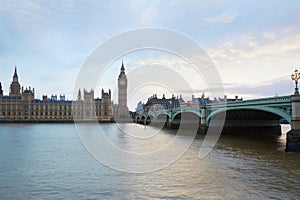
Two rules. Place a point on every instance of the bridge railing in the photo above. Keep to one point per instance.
(270, 100)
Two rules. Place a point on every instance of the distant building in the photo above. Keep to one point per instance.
(225, 99)
(154, 103)
(205, 100)
(199, 101)
(21, 104)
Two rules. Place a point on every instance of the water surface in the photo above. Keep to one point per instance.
(48, 161)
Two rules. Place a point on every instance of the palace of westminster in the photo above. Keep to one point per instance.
(21, 104)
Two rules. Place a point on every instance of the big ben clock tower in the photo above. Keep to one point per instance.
(122, 94)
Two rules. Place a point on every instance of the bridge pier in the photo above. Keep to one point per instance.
(202, 127)
(293, 136)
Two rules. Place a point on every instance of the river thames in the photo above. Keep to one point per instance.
(48, 161)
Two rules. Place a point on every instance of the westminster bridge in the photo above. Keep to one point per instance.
(263, 114)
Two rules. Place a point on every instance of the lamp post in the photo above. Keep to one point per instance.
(170, 106)
(295, 77)
(293, 136)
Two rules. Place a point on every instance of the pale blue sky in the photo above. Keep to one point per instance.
(252, 43)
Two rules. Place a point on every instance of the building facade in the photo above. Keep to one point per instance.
(21, 104)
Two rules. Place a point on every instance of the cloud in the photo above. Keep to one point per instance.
(225, 18)
(269, 35)
(255, 58)
(280, 86)
(251, 47)
(145, 10)
(267, 49)
(26, 12)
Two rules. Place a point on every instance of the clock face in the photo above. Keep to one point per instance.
(122, 82)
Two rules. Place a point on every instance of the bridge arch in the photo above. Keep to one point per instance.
(151, 116)
(160, 120)
(195, 112)
(147, 118)
(276, 111)
(163, 113)
(186, 117)
(163, 116)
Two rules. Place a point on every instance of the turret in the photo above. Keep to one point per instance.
(27, 94)
(88, 96)
(79, 97)
(62, 97)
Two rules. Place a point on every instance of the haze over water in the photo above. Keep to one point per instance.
(46, 161)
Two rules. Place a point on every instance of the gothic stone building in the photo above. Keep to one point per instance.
(22, 105)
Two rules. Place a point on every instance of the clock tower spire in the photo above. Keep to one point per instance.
(15, 87)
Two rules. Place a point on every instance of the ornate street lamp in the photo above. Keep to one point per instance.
(295, 77)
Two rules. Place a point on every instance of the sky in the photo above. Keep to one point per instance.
(254, 44)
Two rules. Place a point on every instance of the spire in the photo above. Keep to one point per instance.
(122, 67)
(122, 73)
(15, 74)
(1, 91)
(15, 77)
